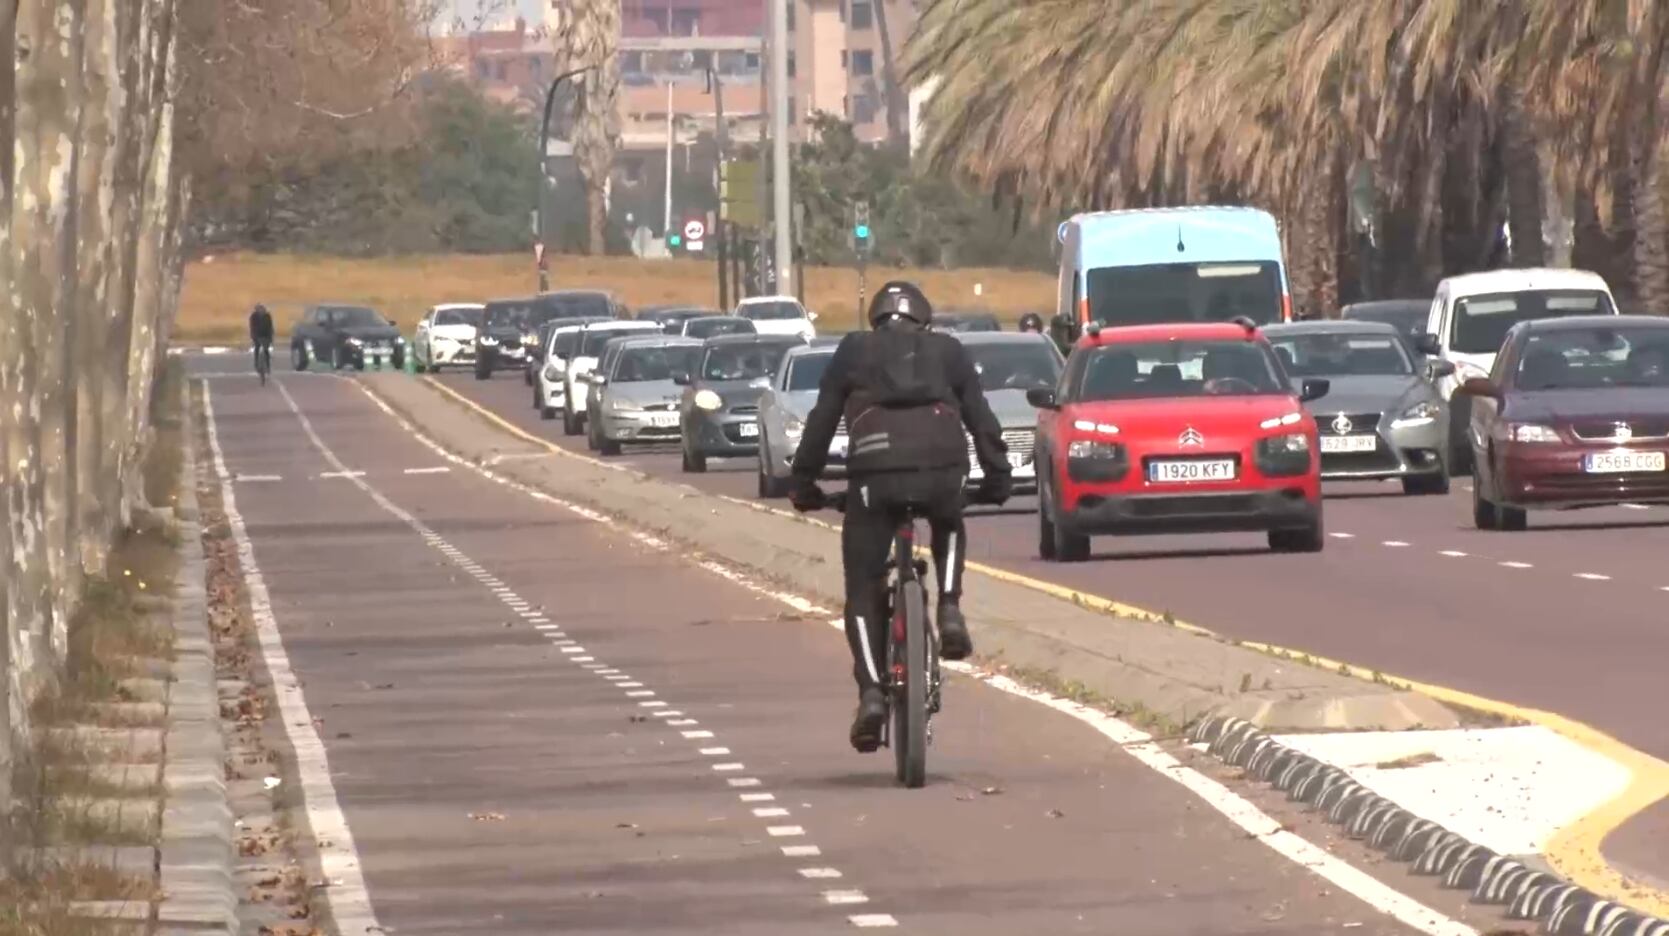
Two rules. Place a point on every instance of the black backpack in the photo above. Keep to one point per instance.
(903, 414)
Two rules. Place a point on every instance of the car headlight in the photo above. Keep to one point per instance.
(399, 339)
(488, 340)
(1531, 432)
(1284, 455)
(1094, 461)
(355, 342)
(1420, 414)
(530, 340)
(1296, 443)
(552, 374)
(708, 400)
(794, 427)
(625, 406)
(1275, 422)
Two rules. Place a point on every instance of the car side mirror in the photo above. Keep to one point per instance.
(1480, 387)
(811, 316)
(681, 378)
(1042, 398)
(1428, 345)
(391, 322)
(1314, 388)
(1441, 368)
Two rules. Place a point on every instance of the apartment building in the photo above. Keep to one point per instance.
(838, 61)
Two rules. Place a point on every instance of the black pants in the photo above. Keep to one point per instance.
(262, 344)
(875, 507)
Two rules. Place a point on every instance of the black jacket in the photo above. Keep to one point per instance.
(906, 394)
(260, 327)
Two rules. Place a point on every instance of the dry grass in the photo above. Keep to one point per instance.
(220, 291)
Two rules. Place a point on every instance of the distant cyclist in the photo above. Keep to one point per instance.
(1031, 322)
(260, 335)
(906, 393)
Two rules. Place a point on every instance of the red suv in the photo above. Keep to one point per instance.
(1182, 428)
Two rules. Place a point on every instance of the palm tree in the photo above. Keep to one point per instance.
(591, 33)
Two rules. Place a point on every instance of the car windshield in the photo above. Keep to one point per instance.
(718, 325)
(637, 365)
(355, 317)
(471, 317)
(1323, 354)
(771, 311)
(1481, 322)
(506, 316)
(595, 338)
(806, 371)
(1592, 358)
(575, 305)
(1185, 292)
(1150, 370)
(1411, 322)
(742, 361)
(563, 344)
(1015, 366)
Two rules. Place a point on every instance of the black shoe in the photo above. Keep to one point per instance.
(870, 717)
(954, 642)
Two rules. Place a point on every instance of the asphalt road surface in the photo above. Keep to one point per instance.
(1568, 616)
(536, 723)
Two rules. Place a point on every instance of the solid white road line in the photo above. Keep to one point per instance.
(343, 473)
(1593, 576)
(255, 478)
(439, 469)
(347, 897)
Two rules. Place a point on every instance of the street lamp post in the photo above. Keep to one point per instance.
(543, 144)
(720, 235)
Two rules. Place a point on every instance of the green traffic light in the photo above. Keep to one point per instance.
(675, 240)
(861, 231)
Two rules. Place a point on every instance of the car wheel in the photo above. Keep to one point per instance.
(570, 425)
(592, 441)
(336, 359)
(606, 445)
(1485, 515)
(1422, 485)
(1513, 519)
(298, 357)
(1308, 539)
(483, 371)
(398, 359)
(1063, 546)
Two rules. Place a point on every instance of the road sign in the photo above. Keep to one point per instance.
(694, 231)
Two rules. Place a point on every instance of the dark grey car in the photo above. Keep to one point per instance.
(719, 410)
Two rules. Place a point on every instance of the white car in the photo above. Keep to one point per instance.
(586, 350)
(550, 386)
(1470, 317)
(778, 315)
(446, 336)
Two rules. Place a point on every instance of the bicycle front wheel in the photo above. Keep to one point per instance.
(909, 709)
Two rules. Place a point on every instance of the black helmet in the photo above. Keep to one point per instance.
(1031, 322)
(902, 299)
(260, 308)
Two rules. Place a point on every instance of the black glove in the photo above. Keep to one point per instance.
(806, 496)
(995, 488)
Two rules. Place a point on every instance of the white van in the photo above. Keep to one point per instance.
(1471, 315)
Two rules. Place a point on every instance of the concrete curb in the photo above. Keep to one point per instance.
(196, 847)
(1528, 892)
(1172, 673)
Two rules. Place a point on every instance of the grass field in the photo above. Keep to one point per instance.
(219, 292)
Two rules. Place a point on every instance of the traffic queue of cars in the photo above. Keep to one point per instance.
(1177, 394)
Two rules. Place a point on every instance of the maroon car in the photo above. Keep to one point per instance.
(1575, 414)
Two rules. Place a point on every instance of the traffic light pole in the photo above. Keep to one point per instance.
(780, 208)
(544, 173)
(721, 227)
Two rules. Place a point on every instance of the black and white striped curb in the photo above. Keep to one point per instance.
(1528, 893)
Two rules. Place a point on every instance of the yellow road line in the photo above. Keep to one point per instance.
(1574, 852)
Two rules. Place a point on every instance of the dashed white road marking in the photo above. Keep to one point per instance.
(1516, 565)
(758, 797)
(1593, 576)
(438, 469)
(770, 812)
(344, 473)
(1394, 544)
(680, 722)
(714, 751)
(1453, 554)
(256, 478)
(726, 768)
(640, 693)
(872, 920)
(801, 851)
(628, 684)
(784, 831)
(743, 781)
(844, 897)
(817, 874)
(693, 735)
(1342, 535)
(671, 713)
(653, 703)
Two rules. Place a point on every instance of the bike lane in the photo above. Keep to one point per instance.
(503, 779)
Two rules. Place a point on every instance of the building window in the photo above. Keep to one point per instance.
(843, 60)
(791, 114)
(483, 69)
(845, 106)
(751, 61)
(842, 11)
(791, 5)
(864, 109)
(790, 64)
(863, 62)
(863, 14)
(684, 22)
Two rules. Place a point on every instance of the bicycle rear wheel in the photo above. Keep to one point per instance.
(909, 708)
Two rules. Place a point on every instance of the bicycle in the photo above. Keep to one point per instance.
(263, 361)
(913, 679)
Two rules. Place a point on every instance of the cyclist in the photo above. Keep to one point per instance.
(906, 393)
(260, 333)
(1031, 322)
